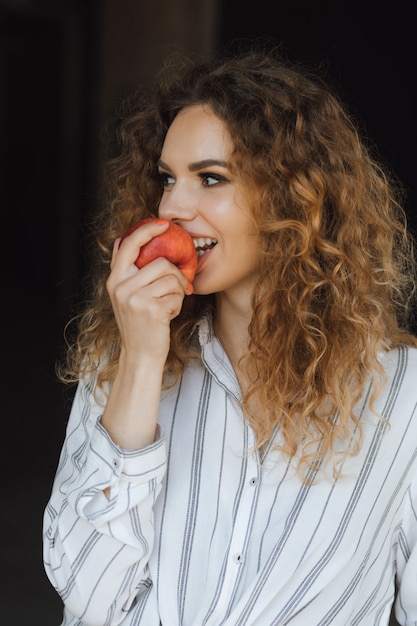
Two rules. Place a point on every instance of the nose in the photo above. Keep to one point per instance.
(177, 205)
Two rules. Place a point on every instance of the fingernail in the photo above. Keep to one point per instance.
(190, 289)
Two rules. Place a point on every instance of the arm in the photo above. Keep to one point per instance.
(406, 602)
(144, 303)
(98, 525)
(96, 549)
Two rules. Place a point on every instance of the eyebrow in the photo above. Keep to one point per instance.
(198, 165)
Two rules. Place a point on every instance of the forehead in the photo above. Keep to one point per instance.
(197, 130)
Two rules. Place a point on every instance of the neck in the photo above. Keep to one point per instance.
(231, 323)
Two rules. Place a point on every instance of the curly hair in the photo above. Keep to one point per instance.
(337, 266)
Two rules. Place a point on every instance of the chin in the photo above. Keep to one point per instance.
(203, 287)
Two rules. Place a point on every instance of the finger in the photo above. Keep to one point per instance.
(130, 246)
(116, 246)
(161, 267)
(172, 305)
(166, 285)
(154, 303)
(126, 249)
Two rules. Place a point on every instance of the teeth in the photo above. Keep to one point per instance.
(204, 244)
(201, 242)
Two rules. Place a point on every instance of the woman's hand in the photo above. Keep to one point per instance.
(144, 301)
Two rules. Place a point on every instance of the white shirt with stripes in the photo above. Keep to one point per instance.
(200, 531)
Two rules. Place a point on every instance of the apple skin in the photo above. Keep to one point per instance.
(175, 244)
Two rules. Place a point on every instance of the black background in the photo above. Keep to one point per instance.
(52, 70)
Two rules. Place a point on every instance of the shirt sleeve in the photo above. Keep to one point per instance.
(96, 549)
(406, 602)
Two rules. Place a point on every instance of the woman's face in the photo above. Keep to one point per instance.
(203, 196)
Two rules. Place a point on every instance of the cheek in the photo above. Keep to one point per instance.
(222, 212)
(248, 246)
(161, 207)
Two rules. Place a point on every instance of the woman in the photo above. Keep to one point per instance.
(242, 450)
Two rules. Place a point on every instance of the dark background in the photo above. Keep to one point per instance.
(64, 66)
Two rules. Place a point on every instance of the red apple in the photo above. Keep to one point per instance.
(175, 244)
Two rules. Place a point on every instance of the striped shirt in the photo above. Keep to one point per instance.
(201, 531)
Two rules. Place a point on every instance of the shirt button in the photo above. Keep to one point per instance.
(238, 558)
(253, 481)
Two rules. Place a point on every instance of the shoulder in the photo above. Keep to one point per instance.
(400, 384)
(401, 360)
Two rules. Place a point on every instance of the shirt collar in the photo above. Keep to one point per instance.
(214, 356)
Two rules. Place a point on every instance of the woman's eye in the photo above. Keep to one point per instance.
(166, 179)
(212, 179)
(207, 179)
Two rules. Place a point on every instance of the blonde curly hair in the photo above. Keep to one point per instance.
(337, 266)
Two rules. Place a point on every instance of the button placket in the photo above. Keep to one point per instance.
(245, 515)
(241, 532)
(116, 464)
